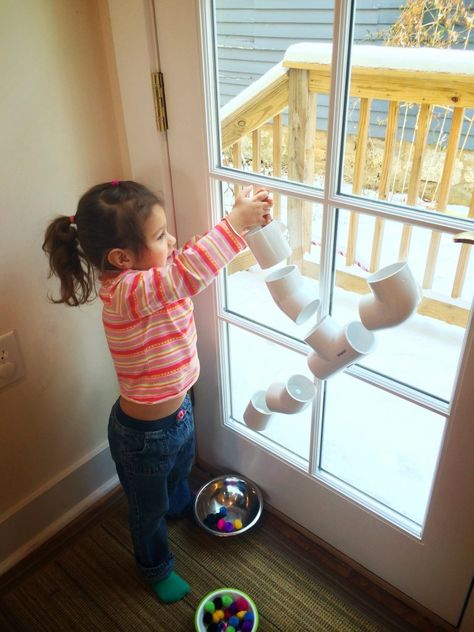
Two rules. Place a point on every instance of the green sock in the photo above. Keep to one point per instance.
(172, 588)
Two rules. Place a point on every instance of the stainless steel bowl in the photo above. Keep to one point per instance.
(240, 498)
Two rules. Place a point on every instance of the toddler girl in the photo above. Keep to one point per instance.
(120, 233)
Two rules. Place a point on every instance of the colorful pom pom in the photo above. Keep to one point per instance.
(217, 616)
(228, 614)
(233, 608)
(211, 520)
(242, 603)
(237, 524)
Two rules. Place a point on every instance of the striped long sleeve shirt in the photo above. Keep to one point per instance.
(148, 317)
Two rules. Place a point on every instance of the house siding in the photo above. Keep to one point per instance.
(253, 35)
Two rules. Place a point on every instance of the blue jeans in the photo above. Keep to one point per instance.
(153, 460)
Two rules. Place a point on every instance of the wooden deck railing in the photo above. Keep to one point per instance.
(294, 85)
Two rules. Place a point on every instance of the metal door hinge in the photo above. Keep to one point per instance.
(160, 101)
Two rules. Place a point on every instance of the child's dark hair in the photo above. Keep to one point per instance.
(110, 215)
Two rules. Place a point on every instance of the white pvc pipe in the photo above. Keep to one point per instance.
(324, 337)
(339, 351)
(292, 397)
(268, 244)
(257, 414)
(286, 286)
(395, 295)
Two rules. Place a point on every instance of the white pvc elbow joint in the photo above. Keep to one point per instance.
(395, 296)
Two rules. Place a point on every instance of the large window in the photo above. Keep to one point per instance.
(383, 173)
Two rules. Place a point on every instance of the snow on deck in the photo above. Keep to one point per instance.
(453, 61)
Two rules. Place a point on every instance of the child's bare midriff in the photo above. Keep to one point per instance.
(151, 412)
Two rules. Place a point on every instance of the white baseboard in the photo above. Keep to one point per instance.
(39, 517)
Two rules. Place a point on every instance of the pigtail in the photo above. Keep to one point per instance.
(68, 263)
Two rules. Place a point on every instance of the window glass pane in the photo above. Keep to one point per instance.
(247, 293)
(410, 118)
(409, 140)
(267, 101)
(256, 363)
(381, 445)
(424, 350)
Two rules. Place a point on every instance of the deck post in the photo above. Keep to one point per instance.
(301, 140)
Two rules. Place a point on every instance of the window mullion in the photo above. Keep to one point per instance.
(343, 18)
(340, 76)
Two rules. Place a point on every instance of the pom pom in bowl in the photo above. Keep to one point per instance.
(228, 505)
(228, 605)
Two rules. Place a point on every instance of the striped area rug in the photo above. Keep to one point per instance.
(92, 584)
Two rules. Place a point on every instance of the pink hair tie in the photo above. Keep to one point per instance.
(72, 219)
(115, 183)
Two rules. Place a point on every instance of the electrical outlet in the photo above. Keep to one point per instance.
(11, 363)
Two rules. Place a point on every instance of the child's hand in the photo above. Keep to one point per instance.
(249, 211)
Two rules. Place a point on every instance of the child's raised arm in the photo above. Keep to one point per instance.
(194, 267)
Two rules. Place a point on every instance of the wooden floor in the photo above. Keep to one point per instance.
(84, 579)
